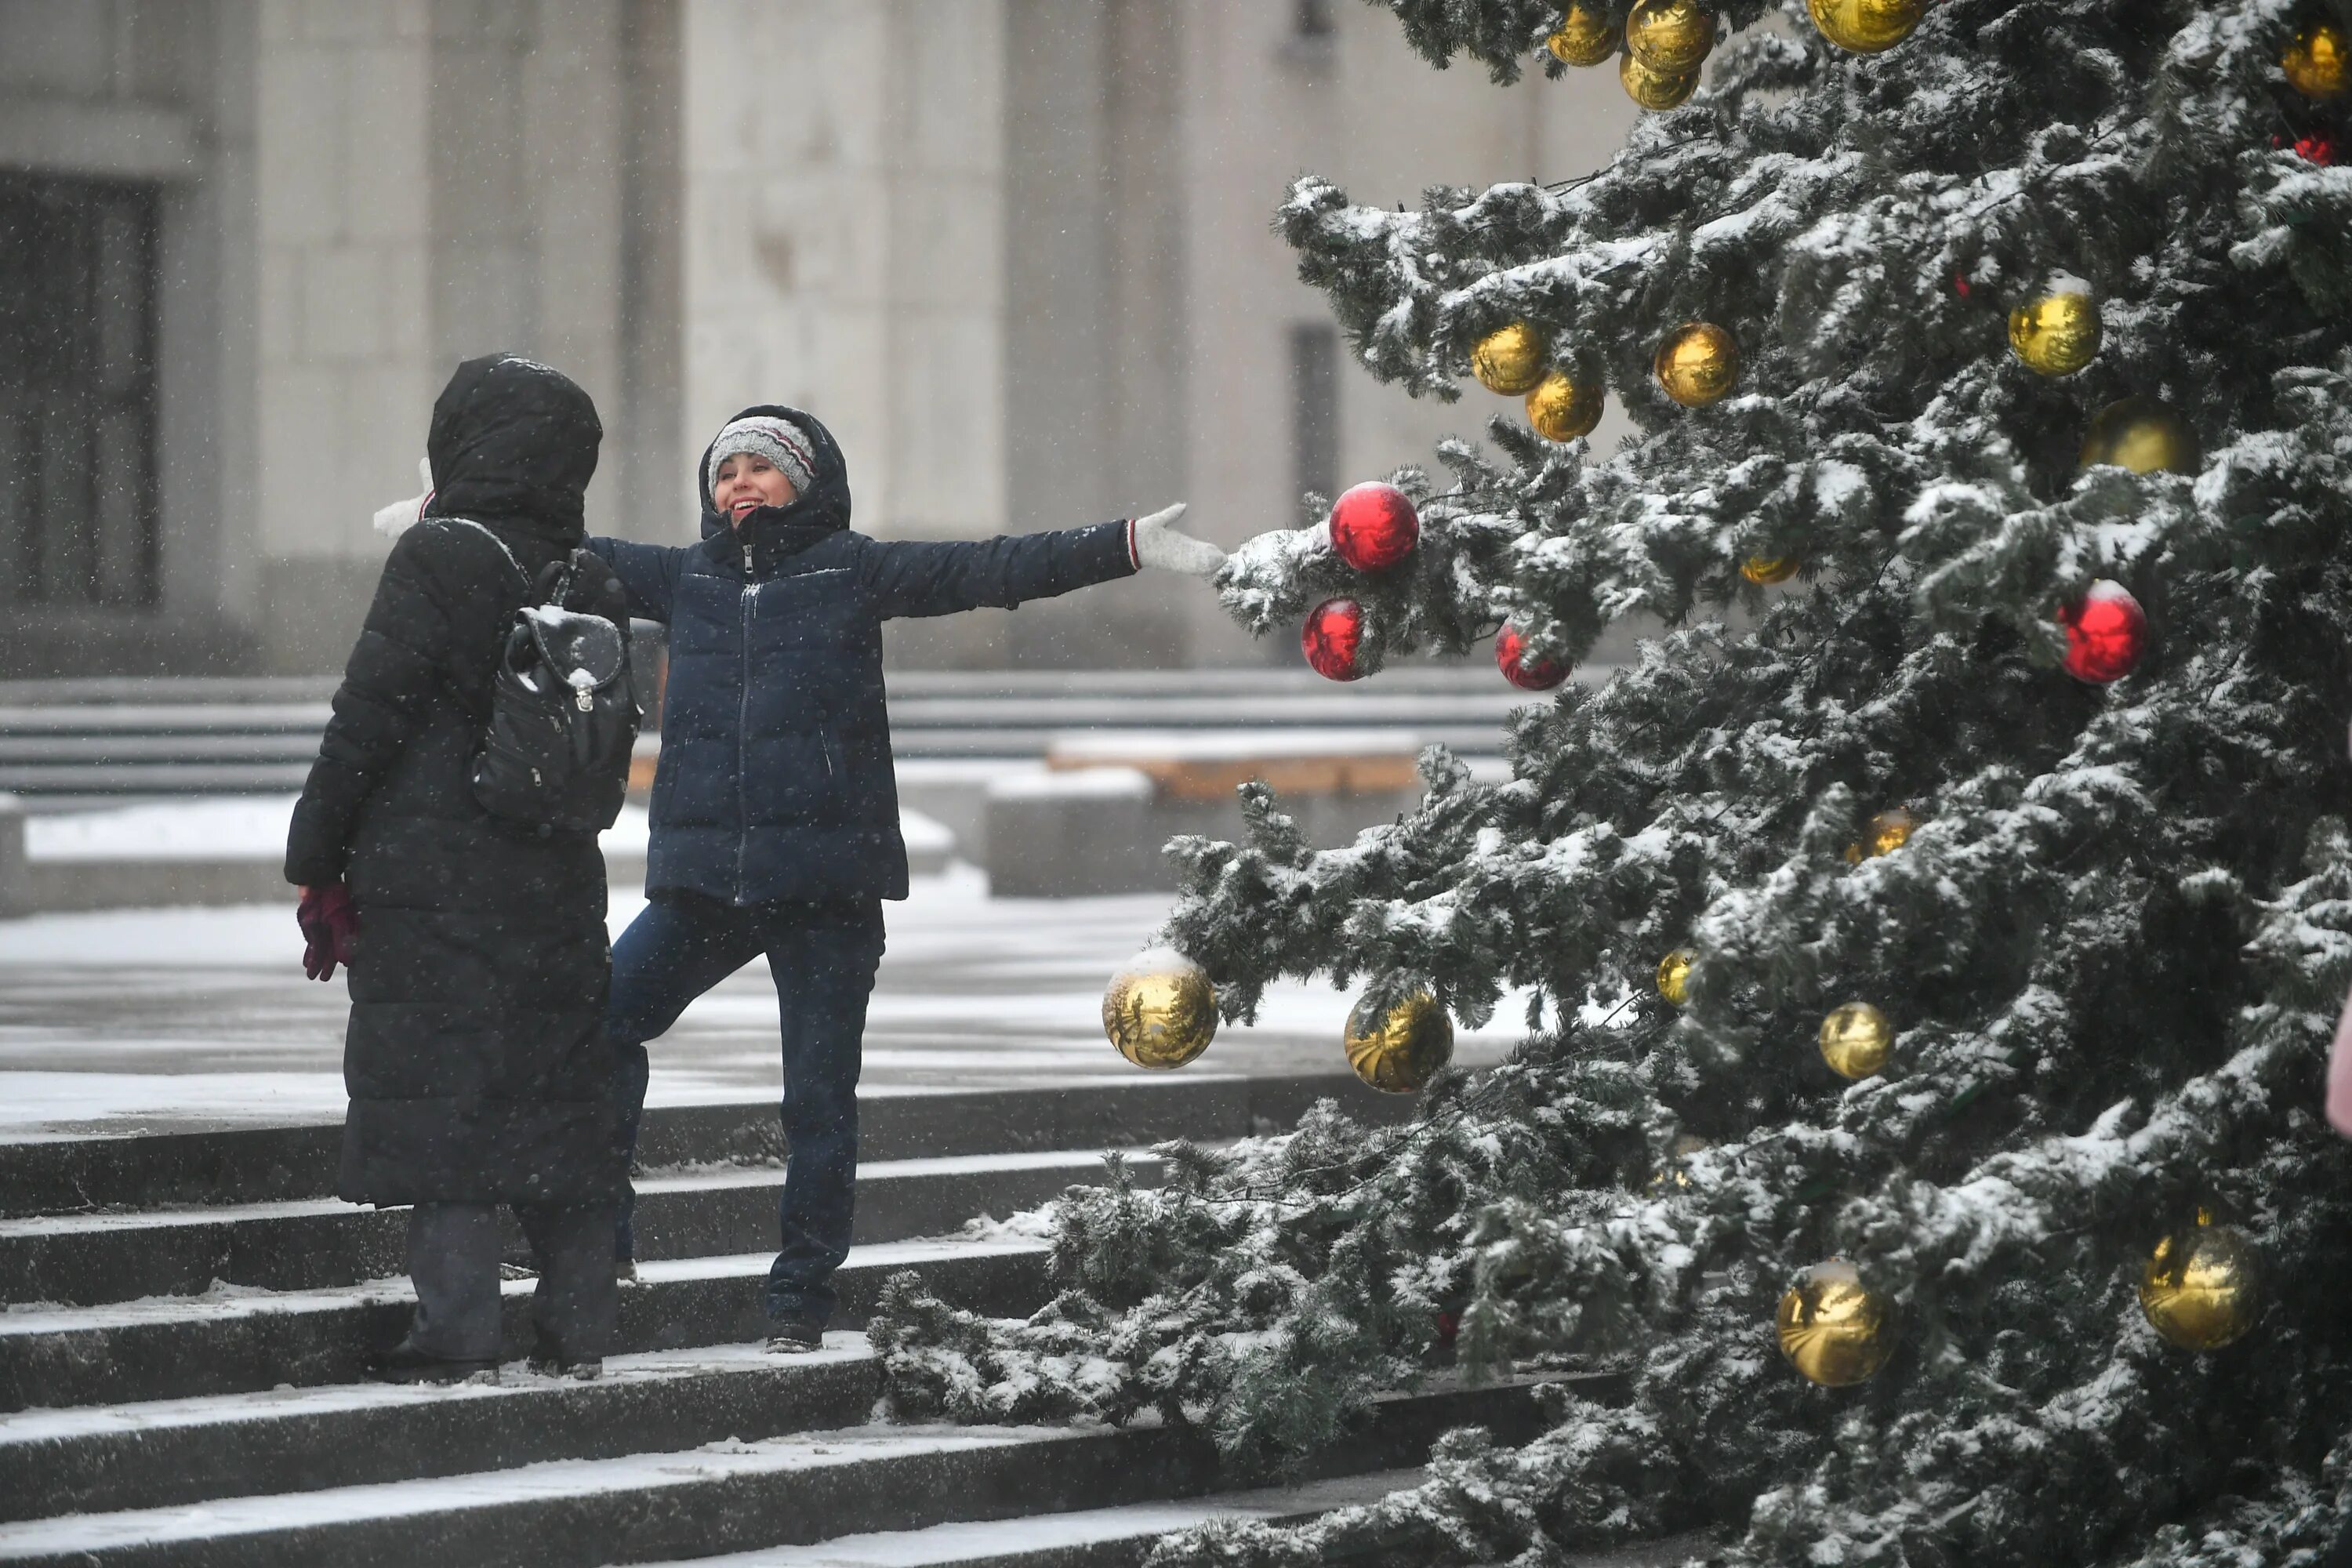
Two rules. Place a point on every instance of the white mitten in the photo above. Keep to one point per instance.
(391, 519)
(1156, 543)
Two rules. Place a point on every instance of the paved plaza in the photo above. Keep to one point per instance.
(182, 1019)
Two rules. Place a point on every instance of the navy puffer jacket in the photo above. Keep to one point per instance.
(775, 779)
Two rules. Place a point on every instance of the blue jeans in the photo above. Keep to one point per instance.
(823, 956)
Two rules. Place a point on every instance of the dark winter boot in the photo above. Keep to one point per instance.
(403, 1362)
(795, 1336)
(549, 1359)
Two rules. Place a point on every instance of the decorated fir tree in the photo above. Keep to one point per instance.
(1934, 933)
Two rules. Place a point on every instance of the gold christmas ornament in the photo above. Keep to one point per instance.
(2316, 63)
(1400, 1050)
(1584, 37)
(1674, 975)
(2056, 332)
(1160, 1010)
(1866, 26)
(1509, 359)
(2144, 435)
(2201, 1289)
(1655, 89)
(1883, 835)
(1856, 1040)
(1670, 37)
(1562, 408)
(1766, 570)
(1833, 1328)
(1698, 364)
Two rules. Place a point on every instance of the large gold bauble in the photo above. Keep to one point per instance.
(1833, 1328)
(1655, 89)
(1674, 975)
(1584, 37)
(1766, 570)
(1562, 408)
(1160, 1010)
(2144, 435)
(1856, 1040)
(1400, 1050)
(2056, 333)
(2317, 63)
(1698, 364)
(1671, 36)
(1509, 359)
(2202, 1286)
(1866, 26)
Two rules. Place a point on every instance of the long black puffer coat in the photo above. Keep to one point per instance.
(775, 779)
(476, 1057)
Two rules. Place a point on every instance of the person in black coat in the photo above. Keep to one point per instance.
(476, 1057)
(775, 807)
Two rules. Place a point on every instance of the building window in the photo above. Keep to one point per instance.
(77, 505)
(1314, 407)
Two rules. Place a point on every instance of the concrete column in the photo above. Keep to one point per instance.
(15, 889)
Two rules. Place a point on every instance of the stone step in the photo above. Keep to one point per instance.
(1124, 1537)
(232, 1341)
(282, 1164)
(84, 1259)
(730, 1496)
(162, 1453)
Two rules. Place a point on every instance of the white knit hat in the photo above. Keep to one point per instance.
(780, 441)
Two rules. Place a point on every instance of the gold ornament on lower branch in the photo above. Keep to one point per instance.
(1584, 37)
(1674, 975)
(1655, 89)
(2056, 332)
(1672, 36)
(1160, 1010)
(2143, 436)
(1866, 26)
(1764, 571)
(1698, 365)
(1562, 408)
(1833, 1328)
(1400, 1050)
(2317, 63)
(1883, 835)
(1857, 1040)
(2201, 1287)
(1509, 359)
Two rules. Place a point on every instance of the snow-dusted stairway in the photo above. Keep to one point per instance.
(186, 1318)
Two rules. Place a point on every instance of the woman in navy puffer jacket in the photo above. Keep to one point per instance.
(775, 808)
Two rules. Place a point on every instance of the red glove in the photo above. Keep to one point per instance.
(331, 928)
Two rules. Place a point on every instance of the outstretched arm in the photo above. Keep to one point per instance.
(940, 578)
(648, 573)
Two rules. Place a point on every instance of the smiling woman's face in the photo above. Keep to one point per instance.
(747, 480)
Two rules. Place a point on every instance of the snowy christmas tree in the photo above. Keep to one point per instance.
(1935, 935)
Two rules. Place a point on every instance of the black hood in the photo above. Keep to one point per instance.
(822, 510)
(513, 442)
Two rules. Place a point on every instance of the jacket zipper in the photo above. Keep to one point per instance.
(743, 723)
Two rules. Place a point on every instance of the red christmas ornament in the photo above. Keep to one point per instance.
(2318, 147)
(1374, 526)
(1961, 285)
(1333, 635)
(1542, 675)
(2106, 632)
(1449, 1327)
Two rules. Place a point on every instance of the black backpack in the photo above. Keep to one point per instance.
(563, 713)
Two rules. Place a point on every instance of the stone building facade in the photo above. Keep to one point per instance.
(1016, 252)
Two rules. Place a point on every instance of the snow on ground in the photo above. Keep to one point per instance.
(252, 827)
(177, 1019)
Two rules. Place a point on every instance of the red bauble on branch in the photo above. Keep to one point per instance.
(1332, 637)
(2106, 632)
(1527, 675)
(1374, 526)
